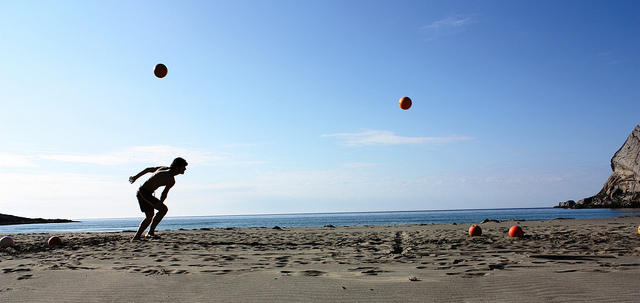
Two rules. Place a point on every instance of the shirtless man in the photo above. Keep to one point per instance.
(162, 176)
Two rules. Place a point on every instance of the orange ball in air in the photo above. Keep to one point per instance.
(475, 230)
(405, 103)
(515, 231)
(54, 241)
(160, 70)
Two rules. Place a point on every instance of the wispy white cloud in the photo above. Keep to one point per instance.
(451, 22)
(383, 137)
(48, 185)
(10, 160)
(65, 195)
(609, 56)
(157, 154)
(136, 154)
(93, 159)
(449, 25)
(602, 54)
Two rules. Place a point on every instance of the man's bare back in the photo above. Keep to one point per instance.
(161, 177)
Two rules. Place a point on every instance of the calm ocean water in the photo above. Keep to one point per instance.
(322, 219)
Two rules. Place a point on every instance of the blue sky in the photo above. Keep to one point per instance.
(292, 106)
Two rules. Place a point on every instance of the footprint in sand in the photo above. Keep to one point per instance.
(282, 261)
(467, 274)
(10, 270)
(313, 273)
(371, 271)
(24, 277)
(217, 272)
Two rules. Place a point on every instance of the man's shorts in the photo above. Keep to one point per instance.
(147, 200)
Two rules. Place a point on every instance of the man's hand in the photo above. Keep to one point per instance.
(132, 179)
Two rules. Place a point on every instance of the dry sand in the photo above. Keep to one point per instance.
(562, 260)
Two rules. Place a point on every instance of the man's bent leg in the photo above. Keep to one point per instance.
(144, 224)
(162, 210)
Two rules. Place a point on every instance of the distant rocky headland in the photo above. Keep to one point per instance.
(622, 189)
(9, 220)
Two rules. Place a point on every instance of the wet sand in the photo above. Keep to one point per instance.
(562, 260)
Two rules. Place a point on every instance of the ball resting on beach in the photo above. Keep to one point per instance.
(515, 231)
(6, 242)
(475, 230)
(54, 241)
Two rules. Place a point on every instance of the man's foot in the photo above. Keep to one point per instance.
(148, 236)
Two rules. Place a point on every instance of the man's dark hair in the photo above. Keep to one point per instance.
(178, 162)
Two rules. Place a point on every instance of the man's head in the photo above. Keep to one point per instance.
(179, 165)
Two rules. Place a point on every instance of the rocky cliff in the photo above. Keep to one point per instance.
(9, 219)
(623, 187)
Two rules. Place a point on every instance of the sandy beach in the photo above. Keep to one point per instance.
(561, 260)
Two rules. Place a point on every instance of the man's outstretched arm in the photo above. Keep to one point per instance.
(142, 173)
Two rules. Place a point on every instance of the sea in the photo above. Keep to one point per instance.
(324, 219)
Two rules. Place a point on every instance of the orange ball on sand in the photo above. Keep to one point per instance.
(160, 70)
(54, 241)
(405, 103)
(475, 230)
(515, 231)
(6, 242)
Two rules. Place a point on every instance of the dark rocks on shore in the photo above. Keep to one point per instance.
(9, 220)
(567, 204)
(622, 189)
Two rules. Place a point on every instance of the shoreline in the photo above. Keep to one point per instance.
(563, 260)
(490, 223)
(319, 220)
